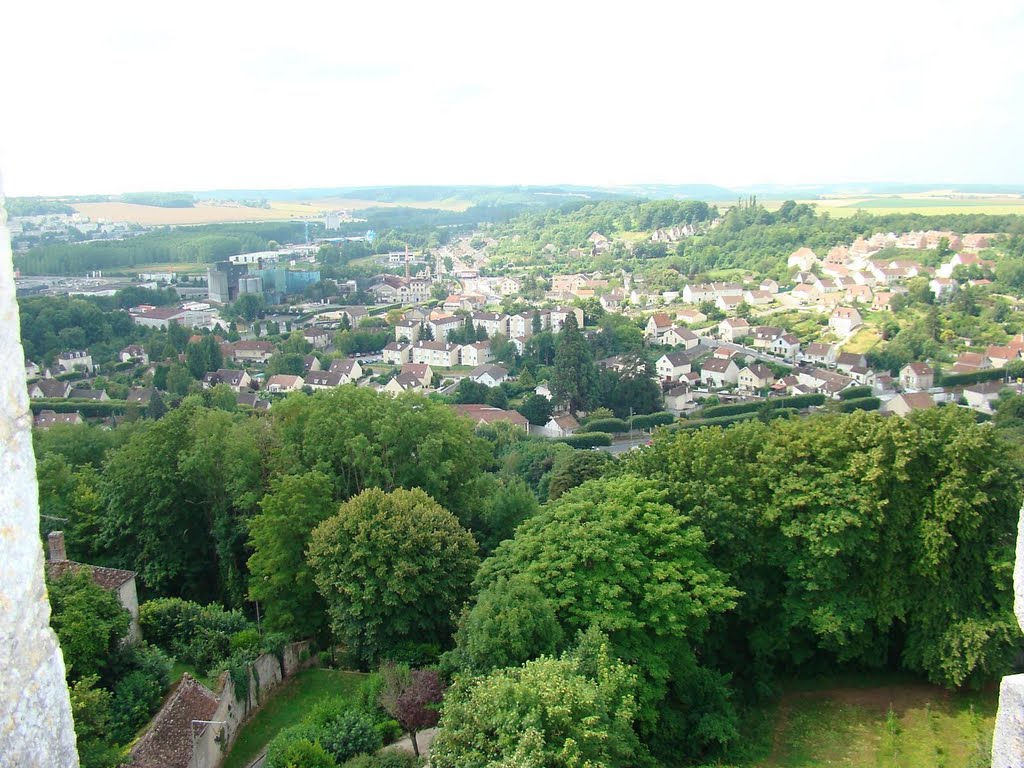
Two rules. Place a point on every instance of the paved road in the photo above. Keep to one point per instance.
(751, 352)
(621, 446)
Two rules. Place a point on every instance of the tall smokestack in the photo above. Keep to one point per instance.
(407, 261)
(56, 542)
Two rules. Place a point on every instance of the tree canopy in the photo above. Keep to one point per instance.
(278, 536)
(574, 710)
(393, 567)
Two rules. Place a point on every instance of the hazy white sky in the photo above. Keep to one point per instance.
(109, 97)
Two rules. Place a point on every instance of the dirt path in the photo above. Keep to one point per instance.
(423, 740)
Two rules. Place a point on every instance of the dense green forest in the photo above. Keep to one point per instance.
(706, 566)
(160, 199)
(54, 324)
(35, 206)
(192, 245)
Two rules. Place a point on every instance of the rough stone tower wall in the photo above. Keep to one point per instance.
(35, 709)
(1008, 741)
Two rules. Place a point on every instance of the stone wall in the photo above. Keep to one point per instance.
(35, 708)
(266, 675)
(1008, 740)
(173, 740)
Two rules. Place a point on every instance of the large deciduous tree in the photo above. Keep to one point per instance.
(280, 577)
(854, 539)
(364, 439)
(393, 567)
(613, 554)
(536, 409)
(177, 497)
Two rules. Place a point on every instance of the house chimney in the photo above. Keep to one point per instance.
(56, 542)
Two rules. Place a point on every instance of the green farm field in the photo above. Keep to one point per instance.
(842, 207)
(935, 206)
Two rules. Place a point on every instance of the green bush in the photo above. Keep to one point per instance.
(144, 672)
(855, 393)
(607, 425)
(785, 413)
(248, 640)
(88, 408)
(389, 731)
(718, 421)
(966, 379)
(732, 409)
(390, 759)
(282, 746)
(799, 401)
(651, 420)
(367, 701)
(860, 404)
(587, 439)
(298, 753)
(343, 731)
(796, 401)
(167, 619)
(200, 635)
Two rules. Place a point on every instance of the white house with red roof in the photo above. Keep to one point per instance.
(917, 376)
(844, 320)
(803, 259)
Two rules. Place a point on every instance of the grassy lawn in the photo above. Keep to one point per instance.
(901, 724)
(630, 237)
(288, 705)
(863, 340)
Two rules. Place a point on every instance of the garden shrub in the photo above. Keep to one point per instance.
(607, 425)
(587, 439)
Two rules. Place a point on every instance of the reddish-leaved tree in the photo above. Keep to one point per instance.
(412, 697)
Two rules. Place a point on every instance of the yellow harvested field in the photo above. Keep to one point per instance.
(202, 213)
(220, 213)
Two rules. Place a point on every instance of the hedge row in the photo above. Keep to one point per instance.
(718, 421)
(796, 401)
(725, 421)
(975, 377)
(731, 409)
(651, 420)
(90, 408)
(800, 401)
(860, 404)
(587, 439)
(855, 393)
(613, 426)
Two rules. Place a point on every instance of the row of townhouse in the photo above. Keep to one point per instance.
(439, 354)
(517, 326)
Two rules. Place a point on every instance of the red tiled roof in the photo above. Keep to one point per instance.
(168, 742)
(108, 578)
